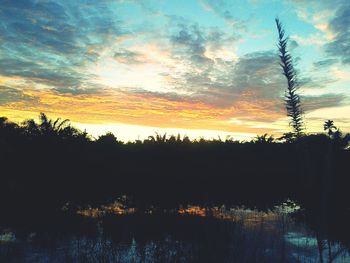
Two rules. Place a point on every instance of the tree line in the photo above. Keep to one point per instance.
(53, 163)
(50, 167)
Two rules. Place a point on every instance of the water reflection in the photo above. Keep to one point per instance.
(194, 234)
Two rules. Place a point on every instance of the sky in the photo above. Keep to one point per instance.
(203, 68)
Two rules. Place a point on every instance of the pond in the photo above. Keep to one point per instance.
(193, 234)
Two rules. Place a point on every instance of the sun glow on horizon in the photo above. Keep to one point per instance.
(202, 70)
(131, 133)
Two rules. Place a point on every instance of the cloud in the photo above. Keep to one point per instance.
(50, 42)
(83, 59)
(129, 57)
(311, 40)
(255, 85)
(36, 71)
(293, 44)
(10, 95)
(332, 18)
(325, 62)
(251, 87)
(190, 41)
(220, 7)
(255, 76)
(340, 25)
(311, 103)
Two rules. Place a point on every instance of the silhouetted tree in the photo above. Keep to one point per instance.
(51, 127)
(263, 139)
(338, 139)
(31, 128)
(174, 139)
(5, 124)
(292, 99)
(107, 139)
(8, 131)
(159, 139)
(287, 137)
(329, 127)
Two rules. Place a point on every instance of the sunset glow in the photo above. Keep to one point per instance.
(202, 68)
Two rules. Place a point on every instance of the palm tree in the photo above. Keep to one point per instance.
(292, 99)
(159, 139)
(264, 139)
(329, 127)
(50, 127)
(177, 139)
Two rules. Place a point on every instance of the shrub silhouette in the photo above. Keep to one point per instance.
(107, 139)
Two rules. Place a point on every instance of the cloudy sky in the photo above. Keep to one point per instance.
(199, 67)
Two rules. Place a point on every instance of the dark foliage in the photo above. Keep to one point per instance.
(47, 164)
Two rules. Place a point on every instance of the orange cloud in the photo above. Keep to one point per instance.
(113, 106)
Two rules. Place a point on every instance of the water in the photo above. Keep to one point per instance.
(192, 235)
